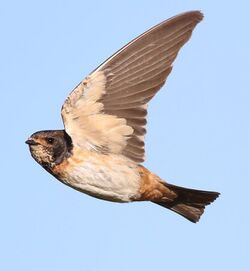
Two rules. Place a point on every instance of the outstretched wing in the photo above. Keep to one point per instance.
(107, 110)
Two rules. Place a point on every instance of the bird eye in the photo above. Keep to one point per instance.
(50, 140)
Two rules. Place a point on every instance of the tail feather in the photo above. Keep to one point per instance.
(189, 203)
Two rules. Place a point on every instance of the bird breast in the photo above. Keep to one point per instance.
(109, 177)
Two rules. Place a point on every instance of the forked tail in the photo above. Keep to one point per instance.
(190, 203)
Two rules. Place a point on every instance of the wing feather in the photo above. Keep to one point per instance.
(107, 110)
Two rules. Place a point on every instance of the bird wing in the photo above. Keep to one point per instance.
(107, 110)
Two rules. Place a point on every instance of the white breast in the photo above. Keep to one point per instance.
(108, 177)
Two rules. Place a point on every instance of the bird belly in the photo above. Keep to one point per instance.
(108, 177)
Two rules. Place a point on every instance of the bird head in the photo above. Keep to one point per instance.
(49, 148)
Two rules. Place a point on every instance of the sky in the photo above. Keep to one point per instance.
(198, 136)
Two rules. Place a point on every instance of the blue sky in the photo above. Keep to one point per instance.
(198, 136)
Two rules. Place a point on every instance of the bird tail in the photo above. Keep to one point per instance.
(189, 203)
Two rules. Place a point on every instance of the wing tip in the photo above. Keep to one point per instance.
(197, 14)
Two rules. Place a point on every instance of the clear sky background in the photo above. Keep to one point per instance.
(198, 136)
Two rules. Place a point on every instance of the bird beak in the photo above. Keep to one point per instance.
(31, 141)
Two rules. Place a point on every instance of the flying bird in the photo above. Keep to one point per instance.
(101, 149)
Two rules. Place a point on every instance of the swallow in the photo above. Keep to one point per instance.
(101, 149)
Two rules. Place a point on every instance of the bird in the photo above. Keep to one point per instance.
(101, 149)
